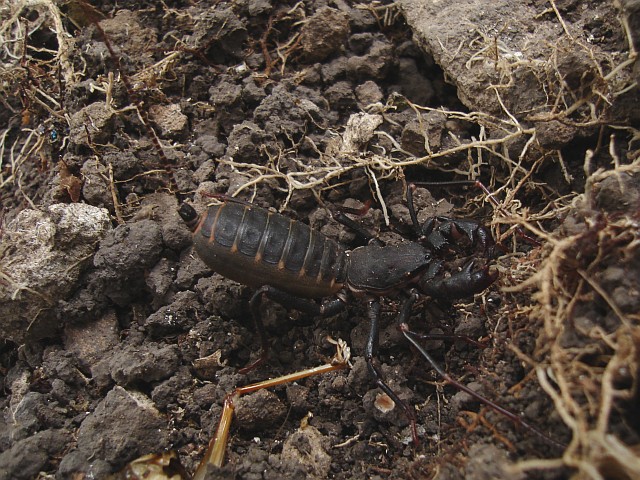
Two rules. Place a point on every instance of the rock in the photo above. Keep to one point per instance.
(306, 453)
(95, 187)
(360, 130)
(424, 135)
(169, 119)
(374, 64)
(44, 253)
(259, 410)
(517, 51)
(221, 32)
(150, 363)
(163, 207)
(124, 426)
(324, 33)
(30, 456)
(368, 93)
(340, 96)
(97, 120)
(487, 462)
(123, 257)
(173, 318)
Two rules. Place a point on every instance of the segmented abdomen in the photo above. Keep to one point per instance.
(256, 247)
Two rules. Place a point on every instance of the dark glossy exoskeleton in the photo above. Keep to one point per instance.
(256, 247)
(292, 264)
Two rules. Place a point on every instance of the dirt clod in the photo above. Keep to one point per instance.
(43, 255)
(323, 34)
(306, 453)
(29, 456)
(259, 410)
(122, 427)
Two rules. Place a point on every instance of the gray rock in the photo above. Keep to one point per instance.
(42, 255)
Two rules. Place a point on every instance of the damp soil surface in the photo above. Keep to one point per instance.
(118, 341)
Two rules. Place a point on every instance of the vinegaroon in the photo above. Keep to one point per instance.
(293, 264)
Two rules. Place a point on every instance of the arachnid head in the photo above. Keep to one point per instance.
(379, 270)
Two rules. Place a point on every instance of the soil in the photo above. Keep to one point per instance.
(118, 342)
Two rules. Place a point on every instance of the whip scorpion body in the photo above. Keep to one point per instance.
(292, 264)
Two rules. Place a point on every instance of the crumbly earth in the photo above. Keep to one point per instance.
(119, 342)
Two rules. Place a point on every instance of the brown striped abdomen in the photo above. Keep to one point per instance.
(256, 247)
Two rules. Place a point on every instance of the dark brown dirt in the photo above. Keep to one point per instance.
(118, 341)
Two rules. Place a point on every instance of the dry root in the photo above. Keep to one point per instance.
(589, 346)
